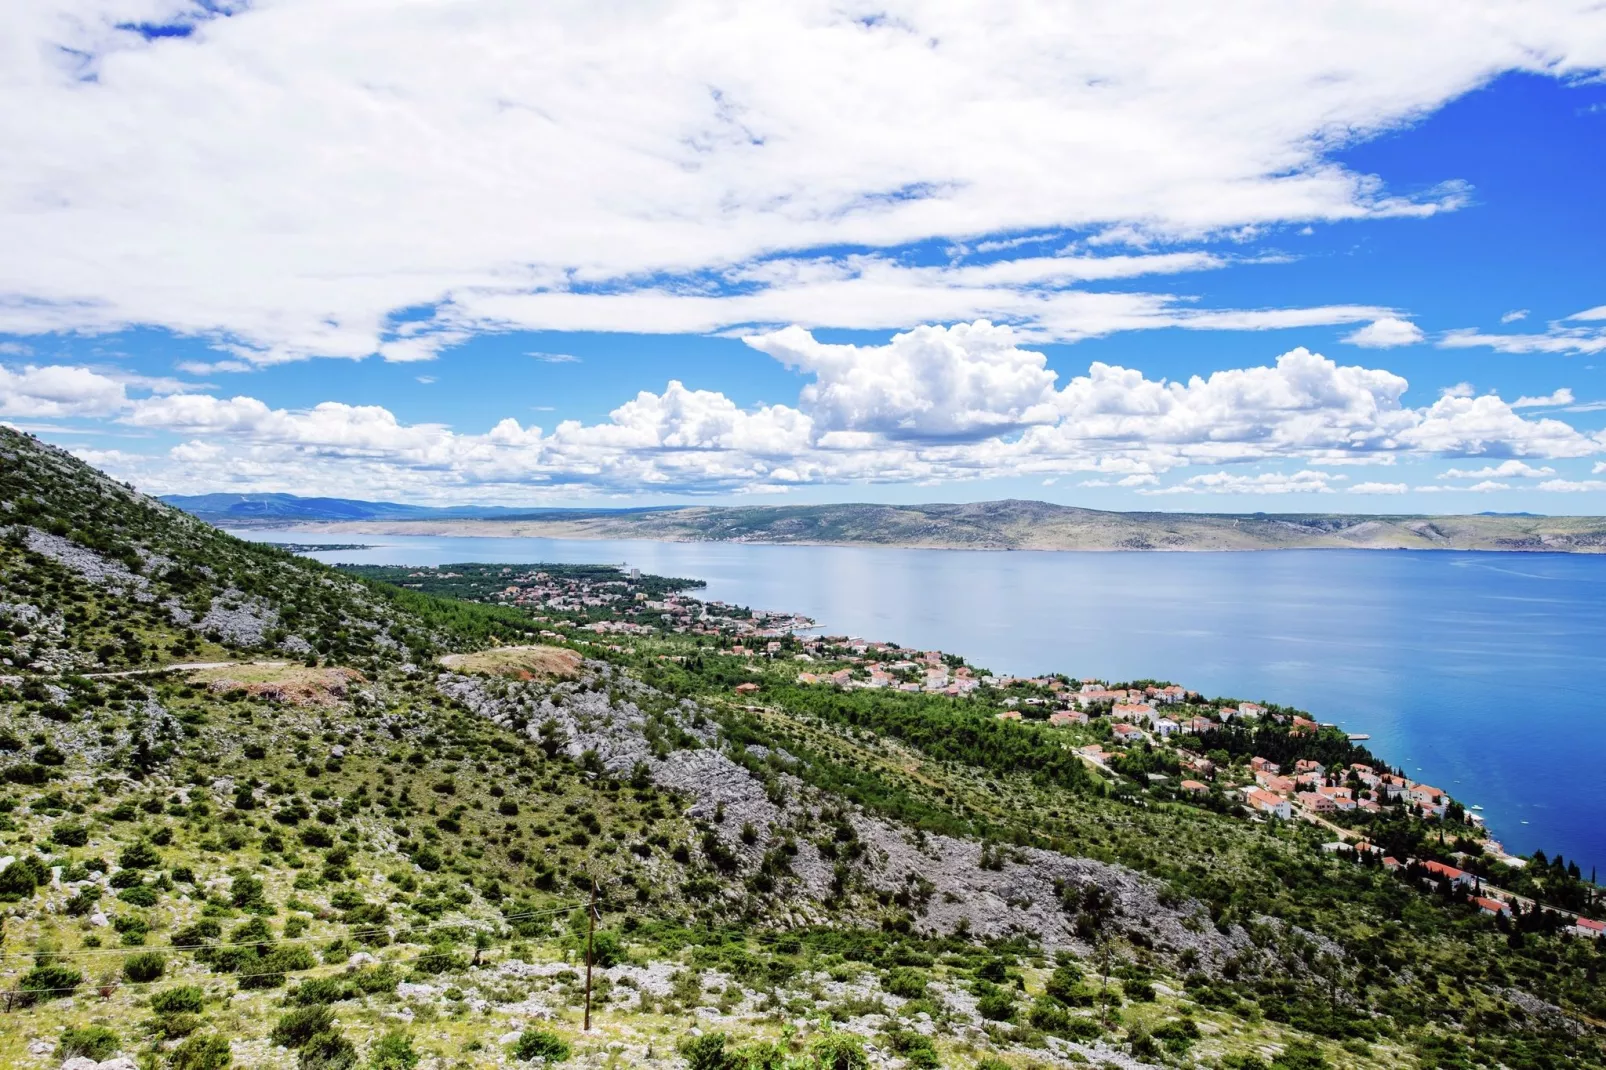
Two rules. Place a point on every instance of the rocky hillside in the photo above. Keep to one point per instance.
(326, 848)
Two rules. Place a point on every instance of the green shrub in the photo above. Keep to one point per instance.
(269, 970)
(908, 983)
(839, 1051)
(139, 855)
(917, 1050)
(706, 1052)
(174, 1026)
(328, 1050)
(393, 1051)
(295, 1028)
(996, 1005)
(47, 982)
(91, 1041)
(202, 1052)
(185, 999)
(144, 967)
(69, 835)
(540, 1044)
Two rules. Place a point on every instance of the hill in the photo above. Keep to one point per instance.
(1000, 525)
(368, 830)
(255, 510)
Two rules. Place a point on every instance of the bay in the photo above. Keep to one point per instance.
(1481, 673)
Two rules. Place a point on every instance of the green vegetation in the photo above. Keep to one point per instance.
(258, 861)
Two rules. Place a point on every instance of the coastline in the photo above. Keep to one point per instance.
(592, 531)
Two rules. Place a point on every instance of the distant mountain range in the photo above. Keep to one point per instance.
(258, 509)
(1000, 525)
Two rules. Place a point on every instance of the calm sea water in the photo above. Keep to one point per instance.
(1481, 673)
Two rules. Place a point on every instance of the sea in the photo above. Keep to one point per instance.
(1483, 674)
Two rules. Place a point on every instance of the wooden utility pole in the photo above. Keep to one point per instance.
(591, 926)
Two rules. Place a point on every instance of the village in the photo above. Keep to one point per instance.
(1180, 721)
(1123, 731)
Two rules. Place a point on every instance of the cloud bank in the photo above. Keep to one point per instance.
(933, 404)
(240, 173)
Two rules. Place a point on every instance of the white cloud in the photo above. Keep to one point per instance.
(932, 405)
(1386, 333)
(1304, 482)
(1504, 470)
(196, 452)
(1558, 339)
(59, 390)
(1596, 313)
(425, 379)
(1573, 486)
(262, 182)
(1487, 486)
(1379, 488)
(967, 381)
(1459, 390)
(1561, 396)
(1599, 469)
(1514, 315)
(555, 358)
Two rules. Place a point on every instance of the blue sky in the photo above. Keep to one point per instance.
(1282, 261)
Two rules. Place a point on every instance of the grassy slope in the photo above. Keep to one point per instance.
(440, 825)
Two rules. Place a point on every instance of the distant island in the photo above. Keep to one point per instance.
(999, 525)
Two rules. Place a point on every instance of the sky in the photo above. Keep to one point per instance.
(1324, 257)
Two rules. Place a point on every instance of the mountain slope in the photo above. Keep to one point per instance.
(329, 860)
(1005, 525)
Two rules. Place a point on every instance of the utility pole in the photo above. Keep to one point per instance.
(591, 926)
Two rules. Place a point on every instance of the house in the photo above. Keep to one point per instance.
(807, 678)
(1261, 765)
(1227, 713)
(1201, 725)
(1250, 709)
(1165, 727)
(1282, 785)
(1458, 878)
(1316, 802)
(1391, 863)
(1061, 718)
(1426, 795)
(1492, 906)
(1093, 751)
(1303, 726)
(1132, 711)
(746, 689)
(1194, 787)
(1267, 803)
(1335, 847)
(1127, 733)
(1343, 798)
(1589, 927)
(1173, 694)
(1309, 765)
(1009, 715)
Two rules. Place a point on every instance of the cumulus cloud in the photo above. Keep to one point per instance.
(59, 390)
(1379, 488)
(1386, 333)
(931, 405)
(554, 164)
(1459, 390)
(1488, 485)
(966, 381)
(1514, 315)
